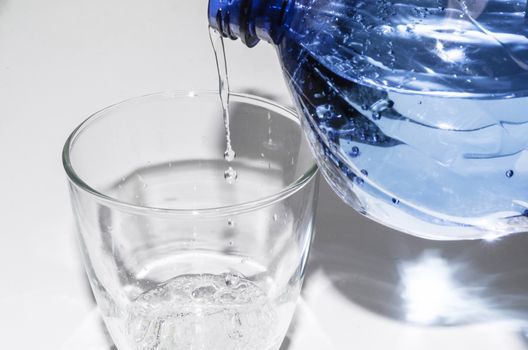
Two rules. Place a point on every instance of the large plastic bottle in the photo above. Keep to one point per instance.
(417, 110)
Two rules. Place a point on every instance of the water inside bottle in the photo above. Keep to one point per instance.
(417, 112)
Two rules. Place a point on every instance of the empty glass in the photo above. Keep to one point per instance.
(178, 254)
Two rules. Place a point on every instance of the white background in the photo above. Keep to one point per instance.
(61, 60)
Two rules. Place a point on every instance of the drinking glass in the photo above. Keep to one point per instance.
(180, 255)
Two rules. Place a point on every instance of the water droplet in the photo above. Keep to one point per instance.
(509, 173)
(395, 201)
(349, 173)
(359, 181)
(170, 165)
(230, 175)
(354, 152)
(230, 222)
(325, 111)
(275, 217)
(262, 155)
(231, 243)
(379, 107)
(229, 155)
(364, 172)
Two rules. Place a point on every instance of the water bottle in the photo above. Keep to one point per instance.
(416, 110)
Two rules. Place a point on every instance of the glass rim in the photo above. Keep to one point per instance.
(285, 191)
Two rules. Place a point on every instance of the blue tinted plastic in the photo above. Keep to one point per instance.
(250, 20)
(417, 110)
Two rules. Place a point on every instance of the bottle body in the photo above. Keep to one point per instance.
(417, 110)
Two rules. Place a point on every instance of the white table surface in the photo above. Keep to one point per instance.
(61, 60)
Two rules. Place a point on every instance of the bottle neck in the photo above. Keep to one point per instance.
(250, 20)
